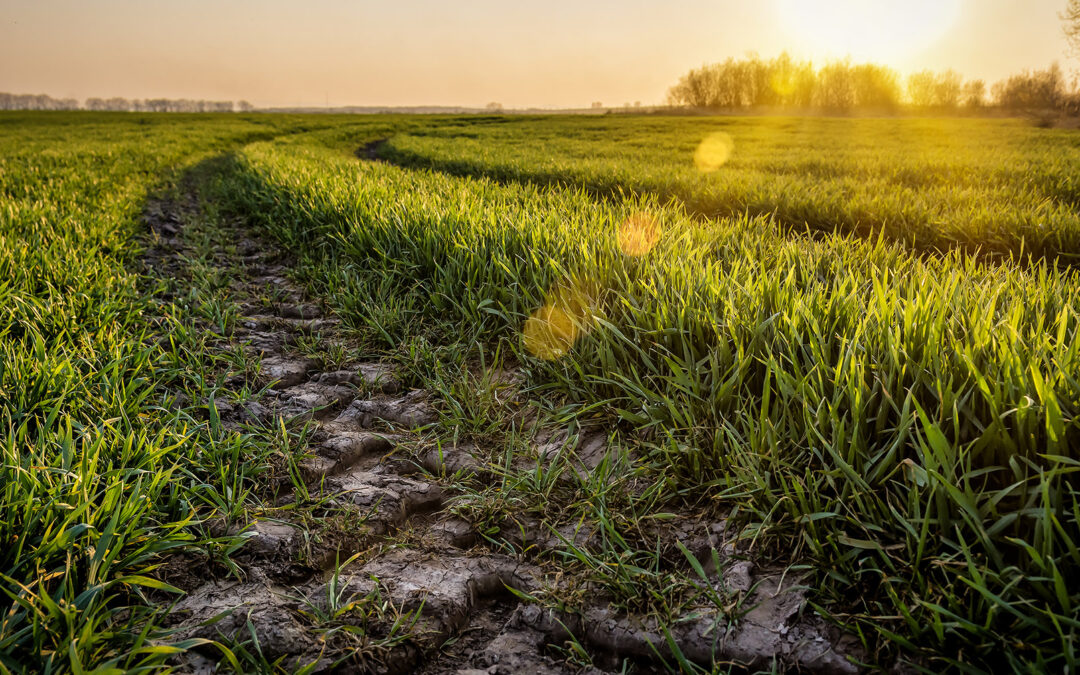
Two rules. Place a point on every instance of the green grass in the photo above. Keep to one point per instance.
(905, 425)
(993, 186)
(100, 474)
(901, 426)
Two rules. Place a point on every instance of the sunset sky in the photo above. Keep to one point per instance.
(564, 53)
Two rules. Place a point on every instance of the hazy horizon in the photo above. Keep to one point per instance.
(336, 53)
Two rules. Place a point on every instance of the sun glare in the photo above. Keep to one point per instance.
(884, 31)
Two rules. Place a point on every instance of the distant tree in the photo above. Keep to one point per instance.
(920, 88)
(723, 84)
(691, 90)
(185, 105)
(875, 86)
(836, 86)
(731, 84)
(974, 94)
(36, 102)
(1032, 90)
(783, 81)
(800, 81)
(596, 105)
(948, 86)
(927, 89)
(1071, 20)
(755, 81)
(1070, 104)
(494, 107)
(738, 81)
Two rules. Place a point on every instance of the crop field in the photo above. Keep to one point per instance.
(289, 393)
(990, 186)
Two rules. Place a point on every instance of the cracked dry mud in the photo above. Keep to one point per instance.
(462, 616)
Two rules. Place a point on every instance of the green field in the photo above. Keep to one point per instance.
(856, 342)
(983, 185)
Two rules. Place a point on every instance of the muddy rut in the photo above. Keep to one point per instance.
(422, 592)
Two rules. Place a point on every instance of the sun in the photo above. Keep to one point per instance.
(883, 31)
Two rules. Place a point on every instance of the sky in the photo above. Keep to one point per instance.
(550, 53)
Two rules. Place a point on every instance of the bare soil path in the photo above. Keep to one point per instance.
(380, 575)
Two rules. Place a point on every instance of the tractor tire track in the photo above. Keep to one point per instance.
(435, 601)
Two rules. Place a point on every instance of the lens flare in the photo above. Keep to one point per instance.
(549, 333)
(638, 234)
(714, 151)
(554, 328)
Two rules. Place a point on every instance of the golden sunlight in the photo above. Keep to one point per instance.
(883, 30)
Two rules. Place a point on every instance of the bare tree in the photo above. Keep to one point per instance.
(927, 89)
(974, 94)
(36, 102)
(947, 89)
(1032, 91)
(836, 86)
(875, 86)
(689, 90)
(920, 88)
(1071, 20)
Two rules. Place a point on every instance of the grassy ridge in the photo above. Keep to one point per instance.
(908, 426)
(988, 185)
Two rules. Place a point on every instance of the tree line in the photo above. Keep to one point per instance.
(181, 105)
(843, 85)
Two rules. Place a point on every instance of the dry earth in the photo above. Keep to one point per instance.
(422, 591)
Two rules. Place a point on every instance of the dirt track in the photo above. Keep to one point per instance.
(423, 592)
